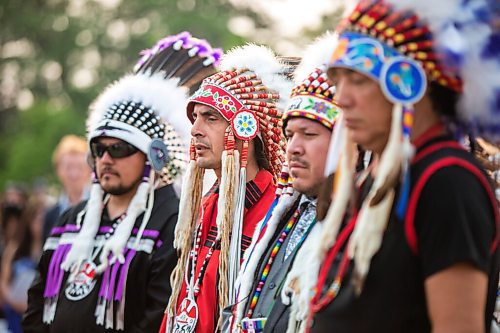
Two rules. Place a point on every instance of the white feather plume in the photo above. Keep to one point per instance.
(316, 55)
(298, 288)
(263, 62)
(256, 250)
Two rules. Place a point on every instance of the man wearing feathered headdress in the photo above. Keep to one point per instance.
(411, 244)
(104, 265)
(236, 116)
(308, 121)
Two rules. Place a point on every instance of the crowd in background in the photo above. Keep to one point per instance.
(26, 218)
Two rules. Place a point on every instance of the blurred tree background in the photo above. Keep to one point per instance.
(57, 55)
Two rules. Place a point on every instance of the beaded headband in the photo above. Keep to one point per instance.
(312, 96)
(313, 99)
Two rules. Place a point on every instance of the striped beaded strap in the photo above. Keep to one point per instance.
(270, 262)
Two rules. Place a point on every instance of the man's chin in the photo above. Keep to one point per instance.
(115, 190)
(206, 164)
(305, 188)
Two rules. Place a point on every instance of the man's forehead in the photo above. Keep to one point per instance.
(202, 109)
(107, 140)
(337, 71)
(302, 124)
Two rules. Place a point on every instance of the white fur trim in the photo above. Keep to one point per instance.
(335, 147)
(367, 235)
(342, 194)
(303, 275)
(116, 243)
(82, 245)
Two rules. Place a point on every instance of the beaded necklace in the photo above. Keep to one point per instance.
(318, 302)
(194, 258)
(108, 234)
(270, 262)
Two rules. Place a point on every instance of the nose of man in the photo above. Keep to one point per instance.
(106, 158)
(196, 128)
(341, 95)
(294, 146)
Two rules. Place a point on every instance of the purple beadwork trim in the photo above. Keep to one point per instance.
(146, 233)
(56, 231)
(104, 282)
(104, 230)
(112, 280)
(60, 230)
(145, 174)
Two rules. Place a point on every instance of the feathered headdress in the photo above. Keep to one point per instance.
(404, 45)
(144, 109)
(250, 92)
(312, 96)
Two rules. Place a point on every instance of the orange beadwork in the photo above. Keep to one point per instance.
(192, 151)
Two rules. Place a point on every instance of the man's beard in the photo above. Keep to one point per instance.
(121, 189)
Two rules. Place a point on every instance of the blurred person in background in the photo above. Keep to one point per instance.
(21, 230)
(13, 204)
(70, 162)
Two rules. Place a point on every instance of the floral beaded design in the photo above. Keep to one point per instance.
(224, 103)
(322, 107)
(245, 125)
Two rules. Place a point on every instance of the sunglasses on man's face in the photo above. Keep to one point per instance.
(116, 150)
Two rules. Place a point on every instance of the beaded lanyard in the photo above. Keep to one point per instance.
(108, 234)
(270, 262)
(194, 258)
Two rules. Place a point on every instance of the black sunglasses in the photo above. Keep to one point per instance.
(116, 150)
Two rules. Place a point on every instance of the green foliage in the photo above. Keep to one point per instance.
(31, 141)
(46, 44)
(60, 54)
